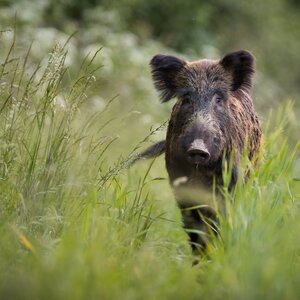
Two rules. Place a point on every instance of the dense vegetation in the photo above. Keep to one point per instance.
(74, 221)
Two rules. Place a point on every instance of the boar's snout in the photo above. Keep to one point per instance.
(197, 153)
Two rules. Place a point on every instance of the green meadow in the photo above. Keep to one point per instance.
(76, 105)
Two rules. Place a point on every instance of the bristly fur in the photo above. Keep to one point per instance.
(214, 110)
(241, 66)
(165, 69)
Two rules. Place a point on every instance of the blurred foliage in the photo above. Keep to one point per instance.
(198, 28)
(268, 28)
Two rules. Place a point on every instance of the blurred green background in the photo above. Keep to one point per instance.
(130, 32)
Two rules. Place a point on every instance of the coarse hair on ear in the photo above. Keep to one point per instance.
(165, 69)
(241, 66)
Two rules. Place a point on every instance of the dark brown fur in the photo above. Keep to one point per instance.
(212, 118)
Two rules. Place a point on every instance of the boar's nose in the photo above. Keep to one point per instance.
(198, 153)
(198, 156)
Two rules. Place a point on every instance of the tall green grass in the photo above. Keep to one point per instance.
(75, 225)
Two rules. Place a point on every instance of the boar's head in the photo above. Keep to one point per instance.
(203, 126)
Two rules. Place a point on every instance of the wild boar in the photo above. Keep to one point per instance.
(212, 121)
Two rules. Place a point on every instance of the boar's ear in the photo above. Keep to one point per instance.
(241, 65)
(165, 69)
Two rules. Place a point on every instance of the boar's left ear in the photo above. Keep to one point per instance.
(165, 69)
(241, 65)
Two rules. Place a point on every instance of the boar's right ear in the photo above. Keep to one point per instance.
(165, 69)
(241, 66)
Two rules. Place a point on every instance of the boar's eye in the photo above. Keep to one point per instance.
(218, 98)
(219, 101)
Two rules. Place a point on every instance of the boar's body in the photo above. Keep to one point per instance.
(212, 119)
